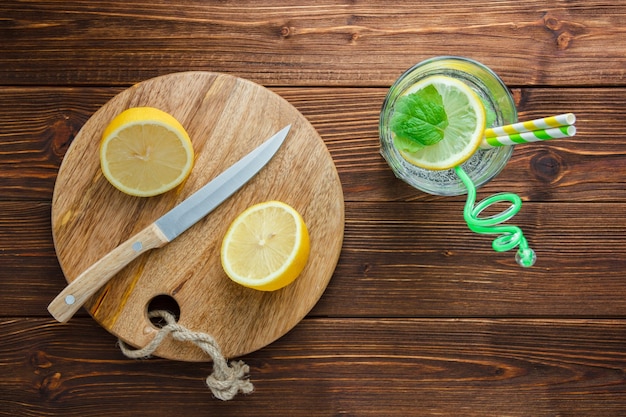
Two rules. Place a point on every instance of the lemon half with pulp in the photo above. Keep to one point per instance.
(266, 247)
(145, 152)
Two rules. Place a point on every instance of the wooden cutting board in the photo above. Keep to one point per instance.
(226, 117)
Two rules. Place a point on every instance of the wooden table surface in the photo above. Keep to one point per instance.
(421, 317)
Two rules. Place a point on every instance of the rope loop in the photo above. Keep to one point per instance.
(226, 380)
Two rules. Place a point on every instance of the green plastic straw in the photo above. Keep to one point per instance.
(511, 236)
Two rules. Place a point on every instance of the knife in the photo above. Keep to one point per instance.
(165, 229)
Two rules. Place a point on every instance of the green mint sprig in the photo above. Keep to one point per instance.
(419, 120)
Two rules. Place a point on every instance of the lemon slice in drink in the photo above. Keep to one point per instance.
(266, 247)
(145, 152)
(466, 125)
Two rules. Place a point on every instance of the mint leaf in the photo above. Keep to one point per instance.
(419, 119)
(406, 145)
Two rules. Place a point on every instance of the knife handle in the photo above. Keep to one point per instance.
(97, 275)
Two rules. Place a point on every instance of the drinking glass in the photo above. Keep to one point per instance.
(484, 164)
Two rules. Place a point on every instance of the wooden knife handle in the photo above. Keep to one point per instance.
(97, 275)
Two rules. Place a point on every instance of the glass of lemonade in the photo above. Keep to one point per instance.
(484, 164)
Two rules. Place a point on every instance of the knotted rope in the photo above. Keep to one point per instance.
(225, 381)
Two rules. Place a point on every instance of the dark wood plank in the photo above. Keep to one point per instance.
(330, 42)
(402, 259)
(28, 265)
(387, 367)
(421, 260)
(588, 167)
(39, 124)
(421, 317)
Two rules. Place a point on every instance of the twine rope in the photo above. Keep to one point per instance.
(225, 381)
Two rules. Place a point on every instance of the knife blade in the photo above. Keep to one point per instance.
(165, 229)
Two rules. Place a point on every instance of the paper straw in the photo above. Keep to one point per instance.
(527, 137)
(538, 124)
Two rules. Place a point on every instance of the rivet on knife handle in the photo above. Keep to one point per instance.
(97, 275)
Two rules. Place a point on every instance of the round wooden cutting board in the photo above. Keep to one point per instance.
(226, 117)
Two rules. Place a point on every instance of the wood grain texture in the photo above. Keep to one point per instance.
(420, 317)
(335, 42)
(37, 125)
(404, 260)
(590, 167)
(360, 367)
(226, 117)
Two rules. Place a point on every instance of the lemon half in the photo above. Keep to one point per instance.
(145, 152)
(266, 247)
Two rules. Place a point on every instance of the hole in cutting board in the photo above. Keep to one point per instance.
(163, 302)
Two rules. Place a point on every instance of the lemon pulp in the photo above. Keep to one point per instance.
(466, 125)
(266, 247)
(145, 151)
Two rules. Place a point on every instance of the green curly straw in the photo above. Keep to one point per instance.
(512, 236)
